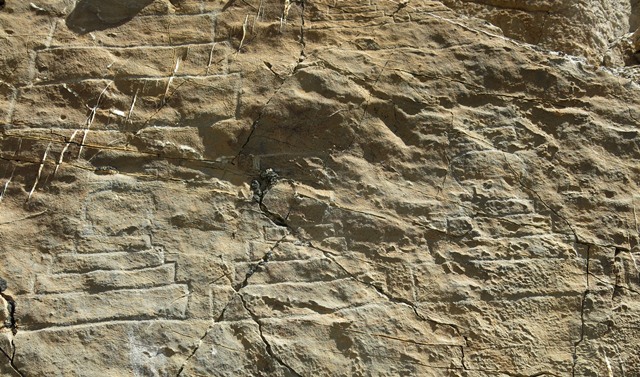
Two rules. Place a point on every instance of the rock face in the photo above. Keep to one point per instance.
(601, 30)
(317, 188)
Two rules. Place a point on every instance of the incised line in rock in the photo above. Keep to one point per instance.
(133, 103)
(42, 162)
(244, 33)
(64, 150)
(401, 339)
(30, 216)
(91, 117)
(285, 14)
(147, 176)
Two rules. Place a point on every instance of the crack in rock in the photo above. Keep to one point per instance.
(200, 342)
(259, 187)
(267, 345)
(387, 295)
(11, 324)
(12, 359)
(256, 267)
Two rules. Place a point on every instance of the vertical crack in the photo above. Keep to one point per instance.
(462, 357)
(11, 324)
(582, 323)
(543, 28)
(267, 345)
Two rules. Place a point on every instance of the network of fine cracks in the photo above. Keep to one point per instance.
(578, 241)
(280, 221)
(238, 288)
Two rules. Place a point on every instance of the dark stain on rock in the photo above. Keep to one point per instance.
(92, 15)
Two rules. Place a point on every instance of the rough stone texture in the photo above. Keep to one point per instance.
(601, 30)
(314, 188)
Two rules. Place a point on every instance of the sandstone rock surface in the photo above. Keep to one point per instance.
(317, 188)
(600, 30)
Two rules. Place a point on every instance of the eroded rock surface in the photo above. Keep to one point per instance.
(312, 188)
(600, 30)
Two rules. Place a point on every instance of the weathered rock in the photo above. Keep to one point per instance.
(318, 188)
(597, 30)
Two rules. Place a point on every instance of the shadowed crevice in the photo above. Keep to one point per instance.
(92, 15)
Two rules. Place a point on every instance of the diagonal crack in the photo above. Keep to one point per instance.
(252, 270)
(254, 124)
(258, 196)
(274, 217)
(267, 345)
(329, 255)
(195, 349)
(260, 189)
(401, 6)
(400, 300)
(12, 358)
(256, 267)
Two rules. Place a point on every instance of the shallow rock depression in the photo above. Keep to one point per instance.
(319, 188)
